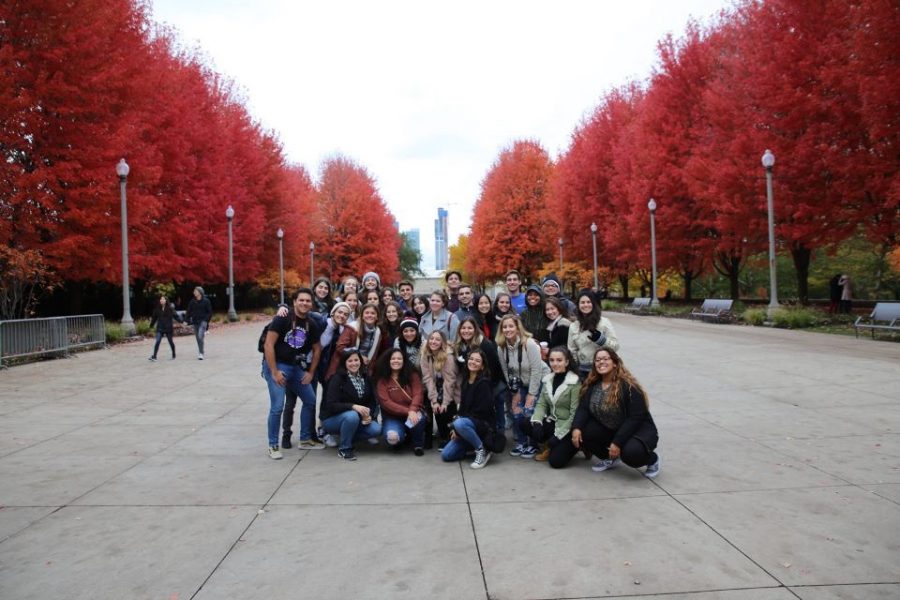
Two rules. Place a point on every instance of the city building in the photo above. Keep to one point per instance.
(441, 247)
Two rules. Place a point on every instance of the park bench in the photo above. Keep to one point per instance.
(638, 305)
(713, 308)
(885, 317)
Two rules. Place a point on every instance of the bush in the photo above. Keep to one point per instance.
(142, 326)
(114, 332)
(754, 316)
(269, 311)
(248, 317)
(796, 318)
(218, 318)
(612, 305)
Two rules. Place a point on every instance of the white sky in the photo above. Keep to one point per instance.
(426, 94)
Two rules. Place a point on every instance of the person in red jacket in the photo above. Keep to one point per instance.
(398, 388)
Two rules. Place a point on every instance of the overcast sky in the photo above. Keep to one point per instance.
(426, 94)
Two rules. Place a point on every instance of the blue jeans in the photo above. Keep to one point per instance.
(200, 334)
(518, 402)
(293, 374)
(466, 439)
(159, 337)
(398, 426)
(348, 426)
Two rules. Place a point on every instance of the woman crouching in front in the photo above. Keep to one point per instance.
(398, 388)
(348, 407)
(473, 425)
(613, 418)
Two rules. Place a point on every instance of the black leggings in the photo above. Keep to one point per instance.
(159, 337)
(561, 450)
(443, 421)
(596, 437)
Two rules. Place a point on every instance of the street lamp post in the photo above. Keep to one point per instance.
(280, 234)
(768, 162)
(312, 258)
(560, 256)
(122, 170)
(594, 239)
(232, 314)
(654, 297)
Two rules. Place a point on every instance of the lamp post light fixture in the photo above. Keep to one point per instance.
(280, 234)
(312, 258)
(654, 297)
(232, 314)
(594, 238)
(122, 170)
(768, 162)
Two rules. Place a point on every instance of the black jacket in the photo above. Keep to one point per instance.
(341, 395)
(199, 311)
(477, 403)
(163, 317)
(637, 421)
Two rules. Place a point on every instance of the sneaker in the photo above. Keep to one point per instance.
(199, 357)
(330, 440)
(528, 452)
(310, 445)
(418, 451)
(652, 470)
(543, 455)
(517, 450)
(152, 359)
(275, 452)
(346, 454)
(605, 464)
(373, 441)
(286, 441)
(482, 456)
(441, 446)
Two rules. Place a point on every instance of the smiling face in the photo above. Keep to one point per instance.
(302, 304)
(558, 362)
(585, 306)
(533, 298)
(341, 315)
(465, 295)
(604, 364)
(396, 361)
(435, 341)
(387, 295)
(350, 285)
(406, 291)
(466, 331)
(409, 334)
(510, 330)
(436, 303)
(453, 281)
(391, 314)
(551, 288)
(369, 315)
(353, 364)
(484, 305)
(513, 283)
(371, 297)
(419, 306)
(475, 363)
(352, 299)
(322, 290)
(551, 311)
(503, 304)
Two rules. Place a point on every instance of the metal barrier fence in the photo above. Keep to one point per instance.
(23, 338)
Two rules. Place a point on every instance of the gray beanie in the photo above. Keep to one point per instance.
(374, 276)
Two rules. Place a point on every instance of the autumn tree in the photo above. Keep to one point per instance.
(512, 226)
(355, 230)
(409, 259)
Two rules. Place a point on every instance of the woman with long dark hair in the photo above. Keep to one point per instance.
(163, 317)
(484, 312)
(410, 340)
(322, 300)
(502, 307)
(419, 305)
(473, 426)
(613, 418)
(348, 407)
(470, 337)
(398, 388)
(589, 332)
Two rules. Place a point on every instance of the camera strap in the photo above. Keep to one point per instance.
(506, 355)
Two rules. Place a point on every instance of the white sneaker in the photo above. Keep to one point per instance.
(275, 452)
(482, 456)
(330, 440)
(199, 357)
(373, 441)
(605, 464)
(652, 470)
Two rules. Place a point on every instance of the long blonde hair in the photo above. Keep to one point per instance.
(523, 334)
(620, 374)
(439, 357)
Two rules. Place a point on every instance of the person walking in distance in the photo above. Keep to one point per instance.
(199, 313)
(163, 316)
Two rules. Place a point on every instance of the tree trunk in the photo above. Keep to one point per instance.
(729, 265)
(623, 281)
(688, 278)
(801, 255)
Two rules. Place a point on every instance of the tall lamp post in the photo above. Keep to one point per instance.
(594, 239)
(312, 258)
(560, 256)
(122, 170)
(768, 162)
(654, 297)
(280, 234)
(232, 314)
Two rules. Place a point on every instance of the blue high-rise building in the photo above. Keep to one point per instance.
(441, 247)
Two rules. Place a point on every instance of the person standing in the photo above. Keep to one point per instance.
(291, 355)
(589, 331)
(163, 317)
(552, 288)
(438, 317)
(533, 317)
(514, 287)
(466, 304)
(322, 300)
(405, 293)
(453, 279)
(846, 294)
(199, 313)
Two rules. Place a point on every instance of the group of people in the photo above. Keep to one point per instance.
(456, 369)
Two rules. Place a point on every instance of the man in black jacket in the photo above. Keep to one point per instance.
(199, 312)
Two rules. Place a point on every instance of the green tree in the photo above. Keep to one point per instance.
(410, 258)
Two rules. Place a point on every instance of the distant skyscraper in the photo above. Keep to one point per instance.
(414, 239)
(441, 249)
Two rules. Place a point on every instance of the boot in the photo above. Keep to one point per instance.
(544, 454)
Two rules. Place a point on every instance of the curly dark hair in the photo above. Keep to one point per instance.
(383, 367)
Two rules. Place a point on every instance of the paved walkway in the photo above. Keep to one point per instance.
(780, 479)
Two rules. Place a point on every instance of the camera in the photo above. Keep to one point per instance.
(514, 383)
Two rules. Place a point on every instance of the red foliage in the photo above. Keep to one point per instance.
(512, 223)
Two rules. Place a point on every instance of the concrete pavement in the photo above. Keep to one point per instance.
(121, 479)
